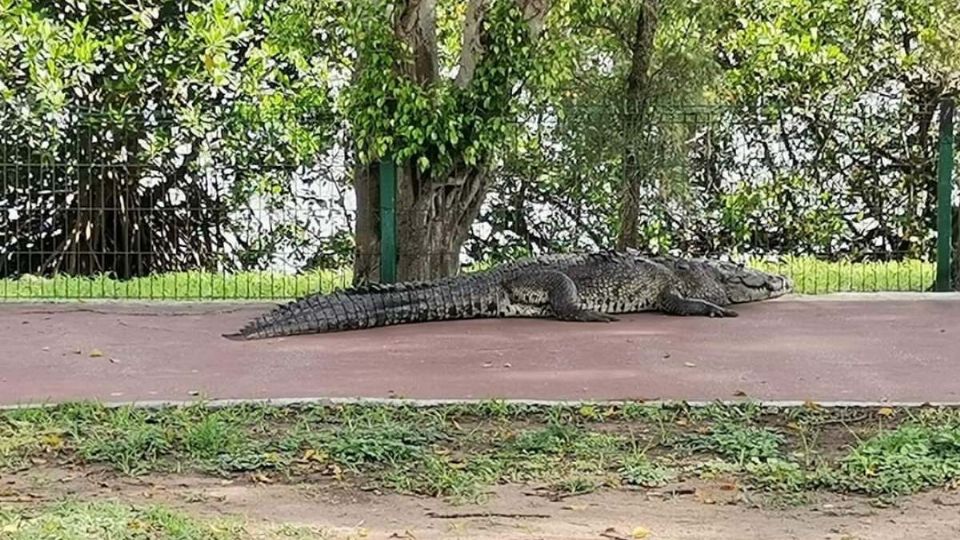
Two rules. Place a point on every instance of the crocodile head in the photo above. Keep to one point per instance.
(744, 284)
(726, 282)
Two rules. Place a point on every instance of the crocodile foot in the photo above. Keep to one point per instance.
(588, 315)
(717, 311)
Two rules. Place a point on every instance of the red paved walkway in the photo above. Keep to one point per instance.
(824, 350)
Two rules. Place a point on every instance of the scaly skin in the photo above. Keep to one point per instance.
(573, 287)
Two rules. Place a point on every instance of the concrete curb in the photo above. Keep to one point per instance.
(426, 403)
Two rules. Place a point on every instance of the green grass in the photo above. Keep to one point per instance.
(811, 276)
(82, 520)
(177, 286)
(460, 451)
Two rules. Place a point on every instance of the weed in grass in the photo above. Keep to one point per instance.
(638, 470)
(438, 476)
(777, 474)
(738, 442)
(130, 440)
(552, 439)
(748, 411)
(903, 460)
(133, 451)
(716, 468)
(632, 412)
(391, 444)
(211, 437)
(576, 485)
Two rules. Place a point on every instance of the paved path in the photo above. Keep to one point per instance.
(837, 349)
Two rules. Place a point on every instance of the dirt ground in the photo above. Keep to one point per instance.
(687, 512)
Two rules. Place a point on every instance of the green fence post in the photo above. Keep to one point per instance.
(944, 196)
(388, 221)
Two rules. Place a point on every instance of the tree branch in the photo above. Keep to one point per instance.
(471, 47)
(534, 13)
(417, 28)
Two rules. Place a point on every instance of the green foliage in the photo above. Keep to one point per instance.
(903, 460)
(388, 444)
(779, 474)
(785, 127)
(458, 451)
(192, 110)
(773, 127)
(737, 442)
(638, 470)
(438, 125)
(71, 520)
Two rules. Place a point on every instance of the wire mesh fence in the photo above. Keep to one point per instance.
(157, 206)
(148, 206)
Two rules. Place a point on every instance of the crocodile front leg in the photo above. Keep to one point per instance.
(555, 288)
(674, 304)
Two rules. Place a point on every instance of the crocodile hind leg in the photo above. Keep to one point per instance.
(555, 289)
(674, 304)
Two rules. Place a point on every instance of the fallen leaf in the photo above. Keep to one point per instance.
(689, 364)
(740, 393)
(508, 365)
(885, 411)
(193, 392)
(96, 353)
(640, 533)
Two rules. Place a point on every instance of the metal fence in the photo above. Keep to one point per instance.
(146, 206)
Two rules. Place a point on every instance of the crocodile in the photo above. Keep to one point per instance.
(588, 287)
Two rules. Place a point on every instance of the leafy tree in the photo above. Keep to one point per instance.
(442, 126)
(143, 129)
(818, 138)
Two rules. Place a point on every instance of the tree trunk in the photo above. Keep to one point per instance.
(433, 222)
(637, 95)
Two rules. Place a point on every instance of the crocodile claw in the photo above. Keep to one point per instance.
(718, 311)
(590, 315)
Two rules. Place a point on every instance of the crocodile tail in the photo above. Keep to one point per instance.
(370, 307)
